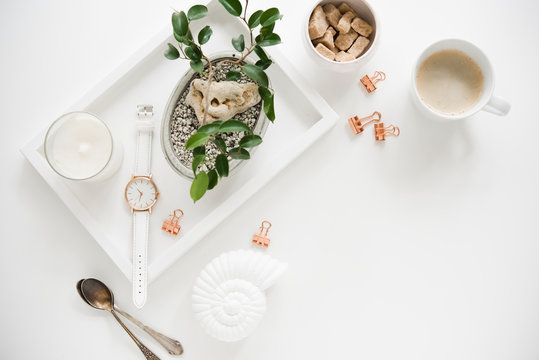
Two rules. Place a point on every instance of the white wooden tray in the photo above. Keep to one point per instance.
(148, 78)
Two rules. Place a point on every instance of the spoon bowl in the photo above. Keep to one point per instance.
(97, 294)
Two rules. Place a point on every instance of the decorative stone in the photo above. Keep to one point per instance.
(225, 99)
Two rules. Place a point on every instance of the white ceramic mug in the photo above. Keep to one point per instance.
(487, 101)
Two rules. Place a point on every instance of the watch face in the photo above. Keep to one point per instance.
(141, 193)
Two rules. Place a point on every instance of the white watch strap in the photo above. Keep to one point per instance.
(141, 221)
(143, 154)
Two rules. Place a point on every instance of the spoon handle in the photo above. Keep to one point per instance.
(174, 347)
(148, 354)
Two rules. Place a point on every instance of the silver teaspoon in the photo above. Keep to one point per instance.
(100, 297)
(174, 347)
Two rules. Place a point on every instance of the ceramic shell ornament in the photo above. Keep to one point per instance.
(228, 296)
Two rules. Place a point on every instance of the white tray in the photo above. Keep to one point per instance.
(148, 78)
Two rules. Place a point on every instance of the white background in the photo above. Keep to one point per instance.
(424, 247)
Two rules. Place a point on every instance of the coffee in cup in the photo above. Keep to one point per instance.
(450, 82)
(453, 79)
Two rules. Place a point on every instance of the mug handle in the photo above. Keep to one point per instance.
(497, 106)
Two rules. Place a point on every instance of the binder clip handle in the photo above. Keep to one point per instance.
(380, 132)
(264, 228)
(177, 214)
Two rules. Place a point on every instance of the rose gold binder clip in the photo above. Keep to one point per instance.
(358, 125)
(262, 237)
(171, 225)
(380, 132)
(369, 82)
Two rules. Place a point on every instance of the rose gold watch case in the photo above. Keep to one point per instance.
(145, 177)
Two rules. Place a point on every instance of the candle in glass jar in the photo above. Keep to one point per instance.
(78, 146)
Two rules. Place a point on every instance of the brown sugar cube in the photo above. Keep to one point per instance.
(361, 27)
(318, 23)
(327, 39)
(333, 15)
(343, 56)
(332, 30)
(344, 41)
(344, 24)
(324, 51)
(359, 45)
(344, 8)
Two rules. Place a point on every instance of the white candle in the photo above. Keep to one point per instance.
(79, 146)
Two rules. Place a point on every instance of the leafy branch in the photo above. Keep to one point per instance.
(211, 133)
(190, 48)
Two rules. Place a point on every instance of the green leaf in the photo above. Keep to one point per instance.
(193, 52)
(220, 144)
(270, 40)
(258, 38)
(171, 52)
(199, 186)
(264, 92)
(239, 154)
(210, 128)
(249, 141)
(270, 16)
(260, 53)
(269, 110)
(199, 150)
(256, 73)
(196, 161)
(182, 39)
(233, 75)
(234, 126)
(213, 179)
(254, 19)
(239, 43)
(221, 164)
(204, 35)
(197, 12)
(266, 30)
(197, 65)
(232, 6)
(196, 140)
(180, 24)
(264, 64)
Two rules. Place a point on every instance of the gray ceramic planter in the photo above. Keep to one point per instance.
(166, 145)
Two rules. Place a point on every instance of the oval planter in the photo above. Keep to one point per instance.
(166, 145)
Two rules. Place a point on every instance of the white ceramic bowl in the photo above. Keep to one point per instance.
(365, 11)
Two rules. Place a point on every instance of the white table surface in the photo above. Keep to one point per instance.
(424, 247)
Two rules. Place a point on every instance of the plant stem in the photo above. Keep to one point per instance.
(207, 95)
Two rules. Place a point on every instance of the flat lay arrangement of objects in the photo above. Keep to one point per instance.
(188, 153)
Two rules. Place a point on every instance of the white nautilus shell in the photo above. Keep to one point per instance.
(228, 296)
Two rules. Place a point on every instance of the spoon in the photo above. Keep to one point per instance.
(174, 347)
(100, 297)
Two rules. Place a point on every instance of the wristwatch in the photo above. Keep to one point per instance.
(141, 195)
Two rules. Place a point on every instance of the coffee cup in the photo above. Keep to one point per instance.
(453, 79)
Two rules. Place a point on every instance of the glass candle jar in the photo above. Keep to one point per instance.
(79, 146)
